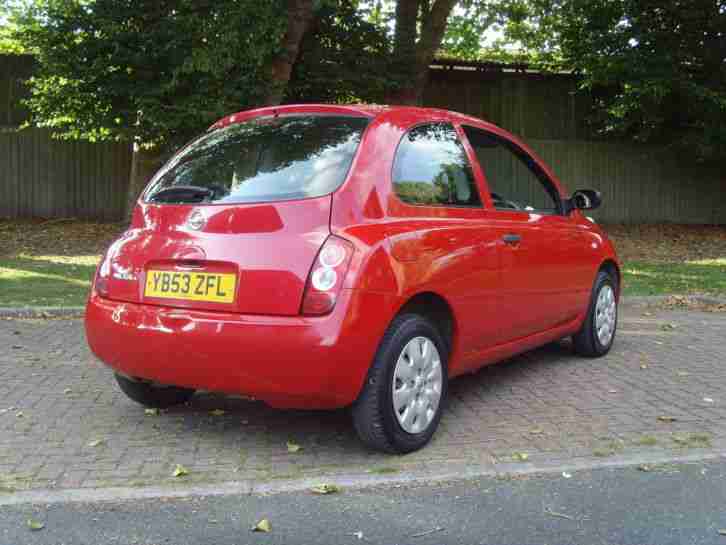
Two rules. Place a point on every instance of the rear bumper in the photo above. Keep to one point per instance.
(286, 361)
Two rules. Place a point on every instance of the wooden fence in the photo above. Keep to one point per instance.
(40, 176)
(639, 184)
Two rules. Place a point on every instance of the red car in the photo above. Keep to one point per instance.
(319, 256)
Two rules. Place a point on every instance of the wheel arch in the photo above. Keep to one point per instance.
(613, 269)
(437, 309)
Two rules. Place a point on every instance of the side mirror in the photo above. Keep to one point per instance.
(585, 199)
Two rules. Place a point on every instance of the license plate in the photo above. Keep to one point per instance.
(191, 286)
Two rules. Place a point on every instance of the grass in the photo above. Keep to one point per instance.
(692, 440)
(45, 280)
(646, 441)
(51, 263)
(53, 280)
(609, 448)
(383, 470)
(701, 276)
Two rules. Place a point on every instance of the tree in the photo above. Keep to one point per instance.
(155, 72)
(344, 57)
(419, 30)
(657, 69)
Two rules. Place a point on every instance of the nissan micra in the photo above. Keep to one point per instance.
(316, 256)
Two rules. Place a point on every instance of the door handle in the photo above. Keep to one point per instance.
(512, 239)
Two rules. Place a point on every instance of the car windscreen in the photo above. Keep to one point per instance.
(262, 160)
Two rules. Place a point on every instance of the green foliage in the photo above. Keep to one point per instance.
(154, 72)
(467, 27)
(657, 69)
(8, 44)
(344, 57)
(159, 72)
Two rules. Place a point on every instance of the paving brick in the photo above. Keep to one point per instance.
(574, 406)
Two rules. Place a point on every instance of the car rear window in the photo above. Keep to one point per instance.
(262, 160)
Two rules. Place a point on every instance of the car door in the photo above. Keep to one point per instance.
(543, 269)
(438, 235)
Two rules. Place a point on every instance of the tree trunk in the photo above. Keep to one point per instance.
(144, 163)
(299, 16)
(413, 57)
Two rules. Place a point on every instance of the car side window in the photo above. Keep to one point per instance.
(431, 168)
(515, 180)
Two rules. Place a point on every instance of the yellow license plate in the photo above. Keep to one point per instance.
(191, 286)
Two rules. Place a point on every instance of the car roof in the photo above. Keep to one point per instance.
(411, 113)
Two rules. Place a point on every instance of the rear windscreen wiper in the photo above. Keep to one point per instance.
(182, 193)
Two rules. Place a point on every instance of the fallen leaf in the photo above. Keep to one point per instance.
(293, 447)
(520, 456)
(325, 489)
(262, 526)
(559, 515)
(95, 442)
(428, 532)
(35, 525)
(216, 412)
(180, 471)
(151, 412)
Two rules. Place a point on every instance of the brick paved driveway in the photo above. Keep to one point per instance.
(64, 423)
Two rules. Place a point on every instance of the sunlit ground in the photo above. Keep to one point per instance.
(698, 276)
(47, 280)
(51, 263)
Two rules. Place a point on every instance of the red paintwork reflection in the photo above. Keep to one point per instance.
(270, 248)
(503, 298)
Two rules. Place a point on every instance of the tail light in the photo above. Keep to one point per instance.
(326, 276)
(100, 282)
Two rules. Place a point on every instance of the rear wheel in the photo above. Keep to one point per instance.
(399, 407)
(597, 334)
(153, 395)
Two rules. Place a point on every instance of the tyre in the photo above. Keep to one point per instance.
(153, 395)
(597, 334)
(400, 405)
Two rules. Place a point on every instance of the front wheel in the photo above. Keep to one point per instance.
(597, 334)
(153, 395)
(400, 405)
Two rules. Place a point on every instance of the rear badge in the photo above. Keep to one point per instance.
(196, 220)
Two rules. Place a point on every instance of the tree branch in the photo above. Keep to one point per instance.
(433, 27)
(299, 16)
(404, 44)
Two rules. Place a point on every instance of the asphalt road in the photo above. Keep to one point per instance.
(670, 505)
